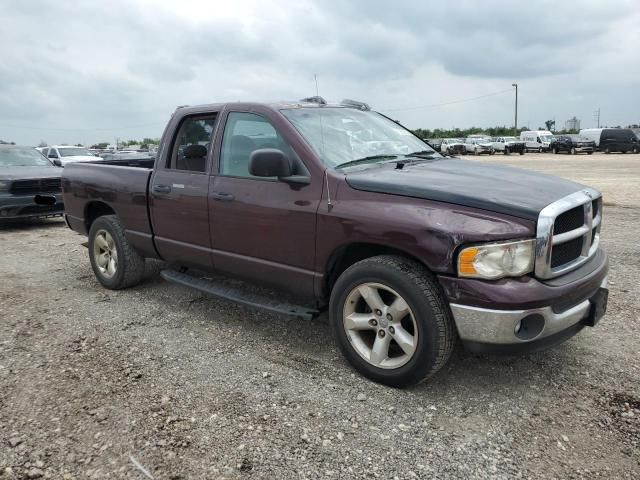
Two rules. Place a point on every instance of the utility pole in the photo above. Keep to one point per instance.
(516, 124)
(596, 115)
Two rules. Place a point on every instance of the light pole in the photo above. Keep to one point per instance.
(516, 85)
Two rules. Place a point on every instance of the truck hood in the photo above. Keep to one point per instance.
(26, 173)
(496, 188)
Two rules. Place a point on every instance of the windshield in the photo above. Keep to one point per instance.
(546, 138)
(341, 135)
(74, 151)
(22, 157)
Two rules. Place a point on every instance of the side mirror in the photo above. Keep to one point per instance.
(57, 162)
(269, 162)
(52, 155)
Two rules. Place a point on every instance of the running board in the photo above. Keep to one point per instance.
(238, 295)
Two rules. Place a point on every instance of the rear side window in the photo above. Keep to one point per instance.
(243, 134)
(192, 144)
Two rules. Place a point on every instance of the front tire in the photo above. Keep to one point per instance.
(573, 151)
(540, 150)
(391, 322)
(555, 150)
(115, 263)
(506, 151)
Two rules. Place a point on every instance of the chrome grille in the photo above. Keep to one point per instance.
(568, 233)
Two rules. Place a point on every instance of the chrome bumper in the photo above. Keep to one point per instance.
(483, 325)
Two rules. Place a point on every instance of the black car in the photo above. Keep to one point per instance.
(619, 140)
(29, 184)
(572, 145)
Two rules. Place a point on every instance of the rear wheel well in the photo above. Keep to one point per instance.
(348, 255)
(95, 210)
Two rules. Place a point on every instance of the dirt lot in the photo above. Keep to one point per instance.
(93, 382)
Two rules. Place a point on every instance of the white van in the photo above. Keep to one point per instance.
(592, 134)
(537, 140)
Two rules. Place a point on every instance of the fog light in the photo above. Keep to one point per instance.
(529, 327)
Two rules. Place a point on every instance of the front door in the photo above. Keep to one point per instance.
(178, 194)
(262, 229)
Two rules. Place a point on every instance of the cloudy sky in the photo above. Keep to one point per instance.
(88, 71)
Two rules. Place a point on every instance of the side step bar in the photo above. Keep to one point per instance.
(238, 295)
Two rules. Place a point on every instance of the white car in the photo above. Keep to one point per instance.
(63, 154)
(478, 145)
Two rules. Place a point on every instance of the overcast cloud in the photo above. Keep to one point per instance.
(91, 71)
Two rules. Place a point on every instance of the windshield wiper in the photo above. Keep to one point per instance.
(368, 159)
(427, 154)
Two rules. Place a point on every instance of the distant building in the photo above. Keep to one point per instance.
(572, 124)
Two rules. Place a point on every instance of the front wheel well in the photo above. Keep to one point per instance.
(95, 210)
(348, 255)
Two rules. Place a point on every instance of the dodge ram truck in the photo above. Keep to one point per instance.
(344, 209)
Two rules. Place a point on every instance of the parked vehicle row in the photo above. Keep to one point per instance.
(610, 140)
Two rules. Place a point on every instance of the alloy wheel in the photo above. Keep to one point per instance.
(105, 253)
(380, 325)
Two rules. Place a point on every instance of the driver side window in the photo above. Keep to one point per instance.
(243, 134)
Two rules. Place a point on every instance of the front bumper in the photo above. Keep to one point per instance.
(584, 149)
(487, 330)
(14, 207)
(487, 313)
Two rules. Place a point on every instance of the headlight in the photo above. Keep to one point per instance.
(497, 260)
(4, 186)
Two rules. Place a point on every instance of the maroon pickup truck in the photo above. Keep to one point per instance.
(342, 208)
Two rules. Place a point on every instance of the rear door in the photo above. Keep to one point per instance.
(178, 193)
(263, 229)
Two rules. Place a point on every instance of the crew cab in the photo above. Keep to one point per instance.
(572, 145)
(508, 145)
(341, 208)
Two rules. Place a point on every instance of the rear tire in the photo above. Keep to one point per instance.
(540, 150)
(391, 321)
(506, 151)
(115, 263)
(607, 151)
(555, 151)
(572, 151)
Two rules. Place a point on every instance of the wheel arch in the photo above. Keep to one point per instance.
(94, 210)
(346, 255)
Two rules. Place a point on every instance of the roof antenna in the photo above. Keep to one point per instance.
(315, 77)
(326, 180)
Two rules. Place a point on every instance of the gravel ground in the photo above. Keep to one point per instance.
(159, 379)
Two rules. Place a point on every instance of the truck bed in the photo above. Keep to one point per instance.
(92, 187)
